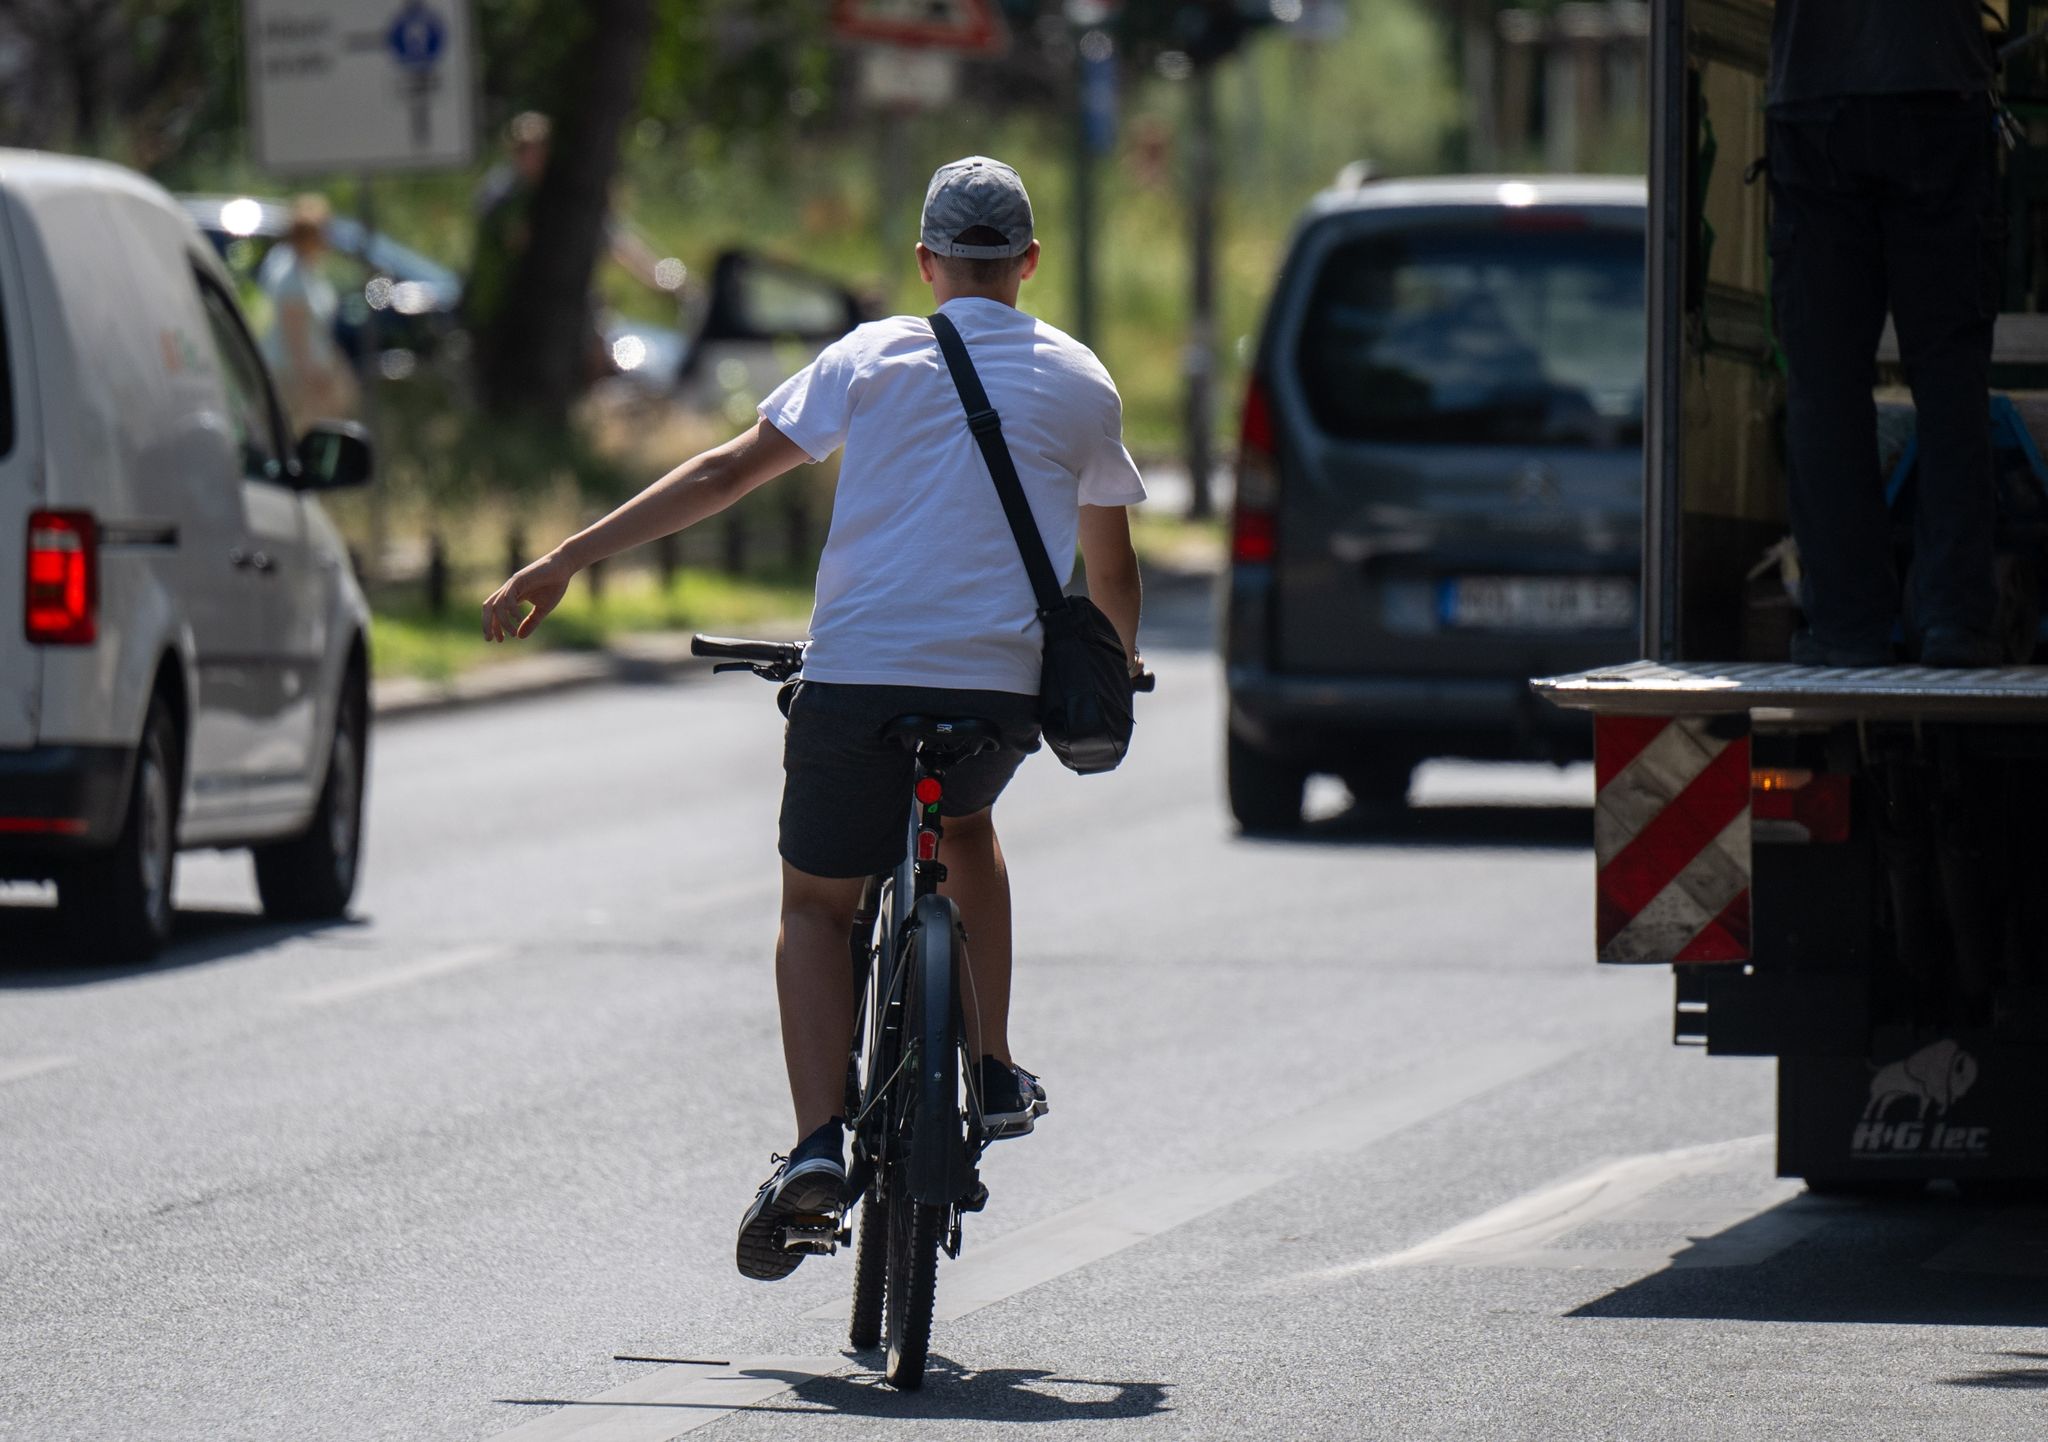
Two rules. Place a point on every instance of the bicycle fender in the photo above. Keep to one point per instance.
(939, 1167)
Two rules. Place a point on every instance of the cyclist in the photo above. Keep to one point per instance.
(922, 605)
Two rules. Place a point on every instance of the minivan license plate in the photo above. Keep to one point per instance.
(1539, 603)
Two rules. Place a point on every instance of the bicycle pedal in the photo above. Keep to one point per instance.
(976, 1200)
(816, 1236)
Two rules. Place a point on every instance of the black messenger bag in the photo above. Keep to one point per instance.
(1084, 688)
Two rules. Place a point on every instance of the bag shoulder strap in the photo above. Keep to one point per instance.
(988, 434)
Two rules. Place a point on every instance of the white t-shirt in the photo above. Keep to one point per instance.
(921, 583)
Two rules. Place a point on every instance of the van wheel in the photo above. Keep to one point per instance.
(312, 876)
(1265, 791)
(115, 906)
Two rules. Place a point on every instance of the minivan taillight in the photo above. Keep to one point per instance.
(1255, 515)
(63, 579)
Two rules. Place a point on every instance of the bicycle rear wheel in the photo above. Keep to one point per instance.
(934, 1172)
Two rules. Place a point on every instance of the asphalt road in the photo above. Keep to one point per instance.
(1350, 1138)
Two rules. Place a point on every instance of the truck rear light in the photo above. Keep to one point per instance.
(62, 573)
(1789, 803)
(1254, 530)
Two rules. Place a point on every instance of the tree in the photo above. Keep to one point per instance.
(536, 355)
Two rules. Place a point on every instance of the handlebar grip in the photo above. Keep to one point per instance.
(761, 652)
(1144, 681)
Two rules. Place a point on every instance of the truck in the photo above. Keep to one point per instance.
(1846, 869)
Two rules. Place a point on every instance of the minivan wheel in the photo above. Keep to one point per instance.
(1265, 791)
(313, 876)
(115, 906)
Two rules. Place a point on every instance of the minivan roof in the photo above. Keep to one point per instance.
(1438, 191)
(29, 173)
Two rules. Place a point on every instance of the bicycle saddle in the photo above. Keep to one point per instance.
(957, 736)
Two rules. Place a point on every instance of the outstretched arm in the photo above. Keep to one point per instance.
(700, 487)
(1112, 570)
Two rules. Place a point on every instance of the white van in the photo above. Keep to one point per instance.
(183, 647)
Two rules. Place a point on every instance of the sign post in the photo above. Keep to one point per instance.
(365, 86)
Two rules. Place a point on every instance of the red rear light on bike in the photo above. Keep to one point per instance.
(1793, 804)
(927, 845)
(929, 790)
(62, 604)
(1254, 528)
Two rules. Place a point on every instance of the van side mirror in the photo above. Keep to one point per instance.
(333, 456)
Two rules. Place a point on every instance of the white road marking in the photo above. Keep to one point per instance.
(677, 1398)
(2011, 1244)
(433, 964)
(22, 1068)
(1352, 1120)
(1525, 1231)
(1074, 1238)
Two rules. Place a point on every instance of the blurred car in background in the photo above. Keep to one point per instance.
(1440, 483)
(417, 299)
(739, 332)
(183, 646)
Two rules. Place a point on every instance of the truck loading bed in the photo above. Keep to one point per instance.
(1795, 693)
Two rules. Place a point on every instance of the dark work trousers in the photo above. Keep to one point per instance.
(1887, 202)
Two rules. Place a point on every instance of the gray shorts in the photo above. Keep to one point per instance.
(846, 791)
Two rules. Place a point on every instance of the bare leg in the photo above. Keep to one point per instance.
(814, 983)
(979, 884)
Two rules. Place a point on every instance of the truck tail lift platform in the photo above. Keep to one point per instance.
(1846, 869)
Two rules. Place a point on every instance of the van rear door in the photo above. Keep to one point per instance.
(1462, 476)
(21, 665)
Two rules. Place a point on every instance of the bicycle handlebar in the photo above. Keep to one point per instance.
(780, 660)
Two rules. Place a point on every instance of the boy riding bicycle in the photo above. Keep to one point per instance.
(922, 605)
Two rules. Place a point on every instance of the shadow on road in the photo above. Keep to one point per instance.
(950, 1392)
(1936, 1260)
(34, 955)
(2018, 1379)
(997, 1394)
(1449, 827)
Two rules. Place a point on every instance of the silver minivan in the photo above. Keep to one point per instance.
(1440, 482)
(183, 646)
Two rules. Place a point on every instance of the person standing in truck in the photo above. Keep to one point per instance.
(1884, 196)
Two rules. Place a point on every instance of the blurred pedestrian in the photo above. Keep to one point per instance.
(1884, 196)
(313, 374)
(504, 226)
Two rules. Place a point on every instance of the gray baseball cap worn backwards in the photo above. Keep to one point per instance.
(974, 192)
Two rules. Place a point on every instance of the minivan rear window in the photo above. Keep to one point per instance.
(1479, 337)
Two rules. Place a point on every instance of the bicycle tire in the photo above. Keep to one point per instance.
(870, 1272)
(929, 1175)
(916, 1232)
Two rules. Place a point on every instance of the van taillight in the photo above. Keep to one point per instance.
(63, 579)
(1254, 517)
(1793, 804)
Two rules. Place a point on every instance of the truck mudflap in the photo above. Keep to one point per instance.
(1964, 1105)
(1671, 833)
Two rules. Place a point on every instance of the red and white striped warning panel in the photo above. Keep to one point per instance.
(1671, 831)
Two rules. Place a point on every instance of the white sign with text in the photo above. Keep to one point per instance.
(360, 85)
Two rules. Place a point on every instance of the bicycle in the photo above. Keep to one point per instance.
(913, 1097)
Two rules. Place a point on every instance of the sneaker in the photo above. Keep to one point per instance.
(1012, 1100)
(1954, 646)
(1810, 650)
(810, 1181)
